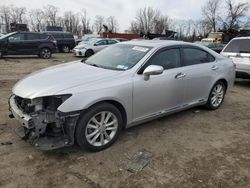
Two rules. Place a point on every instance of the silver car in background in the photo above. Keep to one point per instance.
(93, 46)
(89, 102)
(238, 49)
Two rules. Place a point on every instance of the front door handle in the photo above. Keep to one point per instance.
(215, 67)
(180, 75)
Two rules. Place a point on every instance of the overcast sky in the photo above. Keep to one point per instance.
(123, 10)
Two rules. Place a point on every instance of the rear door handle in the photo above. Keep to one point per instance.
(180, 75)
(215, 67)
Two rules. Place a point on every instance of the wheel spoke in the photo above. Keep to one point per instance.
(103, 114)
(111, 128)
(92, 126)
(92, 134)
(95, 121)
(102, 139)
(94, 139)
(111, 123)
(107, 136)
(108, 117)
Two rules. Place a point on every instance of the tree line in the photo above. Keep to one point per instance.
(216, 15)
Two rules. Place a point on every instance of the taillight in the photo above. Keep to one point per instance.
(52, 39)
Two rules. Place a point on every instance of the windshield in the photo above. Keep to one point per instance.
(215, 35)
(238, 46)
(7, 35)
(118, 57)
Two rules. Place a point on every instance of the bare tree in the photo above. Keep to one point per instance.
(72, 22)
(51, 14)
(37, 22)
(112, 24)
(146, 18)
(211, 13)
(85, 22)
(162, 24)
(235, 11)
(99, 21)
(134, 27)
(5, 17)
(17, 14)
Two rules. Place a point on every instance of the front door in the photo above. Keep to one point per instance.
(161, 93)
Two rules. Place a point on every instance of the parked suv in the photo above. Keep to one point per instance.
(27, 43)
(65, 40)
(238, 50)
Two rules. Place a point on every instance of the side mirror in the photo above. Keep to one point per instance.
(152, 70)
(95, 44)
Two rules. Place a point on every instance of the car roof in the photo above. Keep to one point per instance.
(236, 38)
(156, 43)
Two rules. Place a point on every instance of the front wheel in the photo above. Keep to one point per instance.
(216, 96)
(89, 53)
(99, 127)
(45, 53)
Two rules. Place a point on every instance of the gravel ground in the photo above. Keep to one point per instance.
(194, 148)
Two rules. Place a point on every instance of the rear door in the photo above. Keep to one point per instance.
(200, 69)
(32, 43)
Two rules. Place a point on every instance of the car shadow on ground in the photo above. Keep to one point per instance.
(243, 82)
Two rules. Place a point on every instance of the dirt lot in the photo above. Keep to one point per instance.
(194, 148)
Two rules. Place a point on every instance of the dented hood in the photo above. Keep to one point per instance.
(53, 80)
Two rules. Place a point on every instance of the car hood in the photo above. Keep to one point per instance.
(54, 80)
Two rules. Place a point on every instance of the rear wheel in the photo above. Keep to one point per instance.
(99, 127)
(45, 53)
(65, 49)
(216, 96)
(89, 53)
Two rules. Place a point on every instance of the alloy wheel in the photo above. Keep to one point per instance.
(217, 95)
(46, 53)
(101, 128)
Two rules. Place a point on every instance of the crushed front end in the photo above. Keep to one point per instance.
(42, 124)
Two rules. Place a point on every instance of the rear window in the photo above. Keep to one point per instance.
(238, 46)
(44, 36)
(68, 36)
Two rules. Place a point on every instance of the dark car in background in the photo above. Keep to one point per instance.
(65, 40)
(217, 47)
(28, 43)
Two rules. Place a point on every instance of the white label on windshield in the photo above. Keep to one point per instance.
(139, 48)
(122, 67)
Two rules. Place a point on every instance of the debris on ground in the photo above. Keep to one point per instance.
(139, 161)
(85, 179)
(6, 143)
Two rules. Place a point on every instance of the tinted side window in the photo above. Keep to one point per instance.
(17, 37)
(101, 42)
(168, 59)
(192, 56)
(44, 36)
(238, 46)
(32, 36)
(57, 35)
(112, 41)
(68, 36)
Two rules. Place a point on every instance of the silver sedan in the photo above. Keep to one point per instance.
(89, 102)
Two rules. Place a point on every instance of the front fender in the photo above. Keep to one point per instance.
(83, 100)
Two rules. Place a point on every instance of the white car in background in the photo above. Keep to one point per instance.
(238, 49)
(93, 46)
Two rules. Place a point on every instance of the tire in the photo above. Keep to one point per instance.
(65, 49)
(1, 55)
(89, 53)
(95, 137)
(45, 53)
(216, 96)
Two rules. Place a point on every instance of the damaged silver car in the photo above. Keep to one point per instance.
(89, 102)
